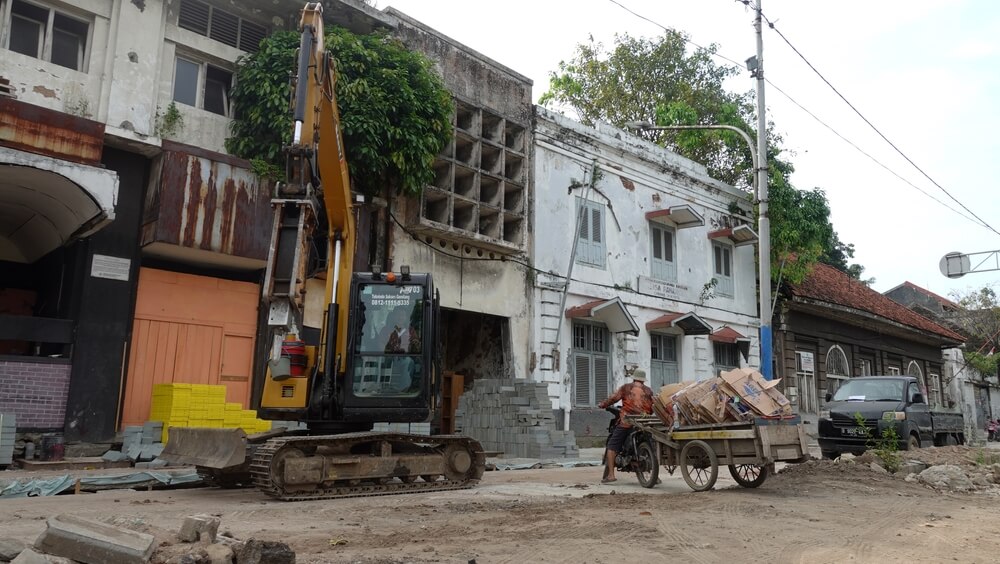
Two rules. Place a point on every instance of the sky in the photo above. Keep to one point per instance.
(926, 73)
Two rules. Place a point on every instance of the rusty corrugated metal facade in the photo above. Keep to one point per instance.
(35, 129)
(198, 202)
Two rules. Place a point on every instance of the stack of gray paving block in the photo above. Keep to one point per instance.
(140, 444)
(409, 428)
(515, 417)
(8, 428)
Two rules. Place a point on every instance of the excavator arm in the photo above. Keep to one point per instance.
(314, 202)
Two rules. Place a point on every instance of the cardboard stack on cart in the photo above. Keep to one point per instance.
(737, 395)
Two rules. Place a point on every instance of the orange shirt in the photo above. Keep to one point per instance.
(636, 398)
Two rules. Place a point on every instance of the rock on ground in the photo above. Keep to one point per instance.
(194, 526)
(219, 554)
(9, 549)
(876, 467)
(93, 542)
(30, 556)
(256, 551)
(946, 476)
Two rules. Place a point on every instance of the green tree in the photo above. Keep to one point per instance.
(979, 320)
(395, 110)
(641, 79)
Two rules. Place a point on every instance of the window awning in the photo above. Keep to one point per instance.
(689, 323)
(612, 313)
(730, 336)
(681, 217)
(739, 235)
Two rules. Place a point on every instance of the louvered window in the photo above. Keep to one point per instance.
(590, 249)
(220, 25)
(662, 259)
(591, 364)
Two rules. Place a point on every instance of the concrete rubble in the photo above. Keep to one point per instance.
(199, 527)
(514, 417)
(68, 539)
(92, 542)
(9, 549)
(946, 476)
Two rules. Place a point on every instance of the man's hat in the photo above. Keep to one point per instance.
(639, 375)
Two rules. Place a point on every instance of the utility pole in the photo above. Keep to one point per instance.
(764, 222)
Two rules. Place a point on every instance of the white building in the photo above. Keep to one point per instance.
(662, 276)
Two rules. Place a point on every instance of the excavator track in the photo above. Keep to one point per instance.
(461, 459)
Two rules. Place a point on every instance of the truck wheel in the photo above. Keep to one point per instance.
(912, 442)
(950, 440)
(830, 454)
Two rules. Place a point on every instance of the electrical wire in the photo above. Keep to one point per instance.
(872, 126)
(978, 221)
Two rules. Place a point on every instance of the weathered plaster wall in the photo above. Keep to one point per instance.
(638, 177)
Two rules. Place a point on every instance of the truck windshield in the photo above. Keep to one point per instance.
(870, 390)
(389, 359)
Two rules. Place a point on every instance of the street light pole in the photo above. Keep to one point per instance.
(764, 230)
(764, 222)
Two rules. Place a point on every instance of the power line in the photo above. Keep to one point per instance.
(978, 221)
(871, 125)
(863, 152)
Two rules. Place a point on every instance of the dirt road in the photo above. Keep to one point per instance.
(821, 513)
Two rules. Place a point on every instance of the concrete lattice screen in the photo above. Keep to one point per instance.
(480, 180)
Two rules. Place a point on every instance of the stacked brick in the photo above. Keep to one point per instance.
(514, 417)
(201, 405)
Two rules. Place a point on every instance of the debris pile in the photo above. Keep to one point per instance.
(68, 539)
(514, 417)
(737, 395)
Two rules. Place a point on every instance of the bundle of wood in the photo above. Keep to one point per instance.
(737, 395)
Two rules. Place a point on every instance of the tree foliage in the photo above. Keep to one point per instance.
(659, 79)
(979, 321)
(395, 110)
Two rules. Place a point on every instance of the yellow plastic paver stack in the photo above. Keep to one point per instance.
(201, 405)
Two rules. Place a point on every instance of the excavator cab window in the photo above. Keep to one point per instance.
(389, 359)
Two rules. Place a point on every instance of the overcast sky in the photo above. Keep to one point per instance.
(925, 72)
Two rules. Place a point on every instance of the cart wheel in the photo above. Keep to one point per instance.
(699, 465)
(647, 465)
(748, 475)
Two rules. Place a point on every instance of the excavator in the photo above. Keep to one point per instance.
(376, 358)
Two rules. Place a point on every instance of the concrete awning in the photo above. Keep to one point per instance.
(612, 313)
(739, 235)
(731, 336)
(681, 217)
(689, 323)
(46, 203)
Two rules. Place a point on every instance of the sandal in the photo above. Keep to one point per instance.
(608, 481)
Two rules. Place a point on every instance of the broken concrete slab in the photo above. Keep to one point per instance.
(195, 525)
(10, 548)
(219, 554)
(946, 476)
(30, 556)
(114, 456)
(92, 542)
(912, 467)
(256, 551)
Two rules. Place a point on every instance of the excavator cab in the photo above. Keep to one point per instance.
(390, 370)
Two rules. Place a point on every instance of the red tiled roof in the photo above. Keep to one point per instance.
(726, 335)
(583, 310)
(827, 284)
(940, 299)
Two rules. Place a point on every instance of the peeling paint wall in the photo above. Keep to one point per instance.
(636, 177)
(468, 271)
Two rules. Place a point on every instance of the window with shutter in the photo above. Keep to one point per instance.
(663, 361)
(591, 364)
(590, 248)
(220, 25)
(723, 271)
(662, 260)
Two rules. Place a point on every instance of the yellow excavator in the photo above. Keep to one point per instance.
(376, 358)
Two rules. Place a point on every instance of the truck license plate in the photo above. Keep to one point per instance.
(853, 431)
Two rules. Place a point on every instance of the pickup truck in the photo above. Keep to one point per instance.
(883, 402)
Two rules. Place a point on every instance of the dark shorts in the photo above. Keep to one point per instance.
(617, 439)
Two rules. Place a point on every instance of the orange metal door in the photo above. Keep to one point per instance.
(189, 329)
